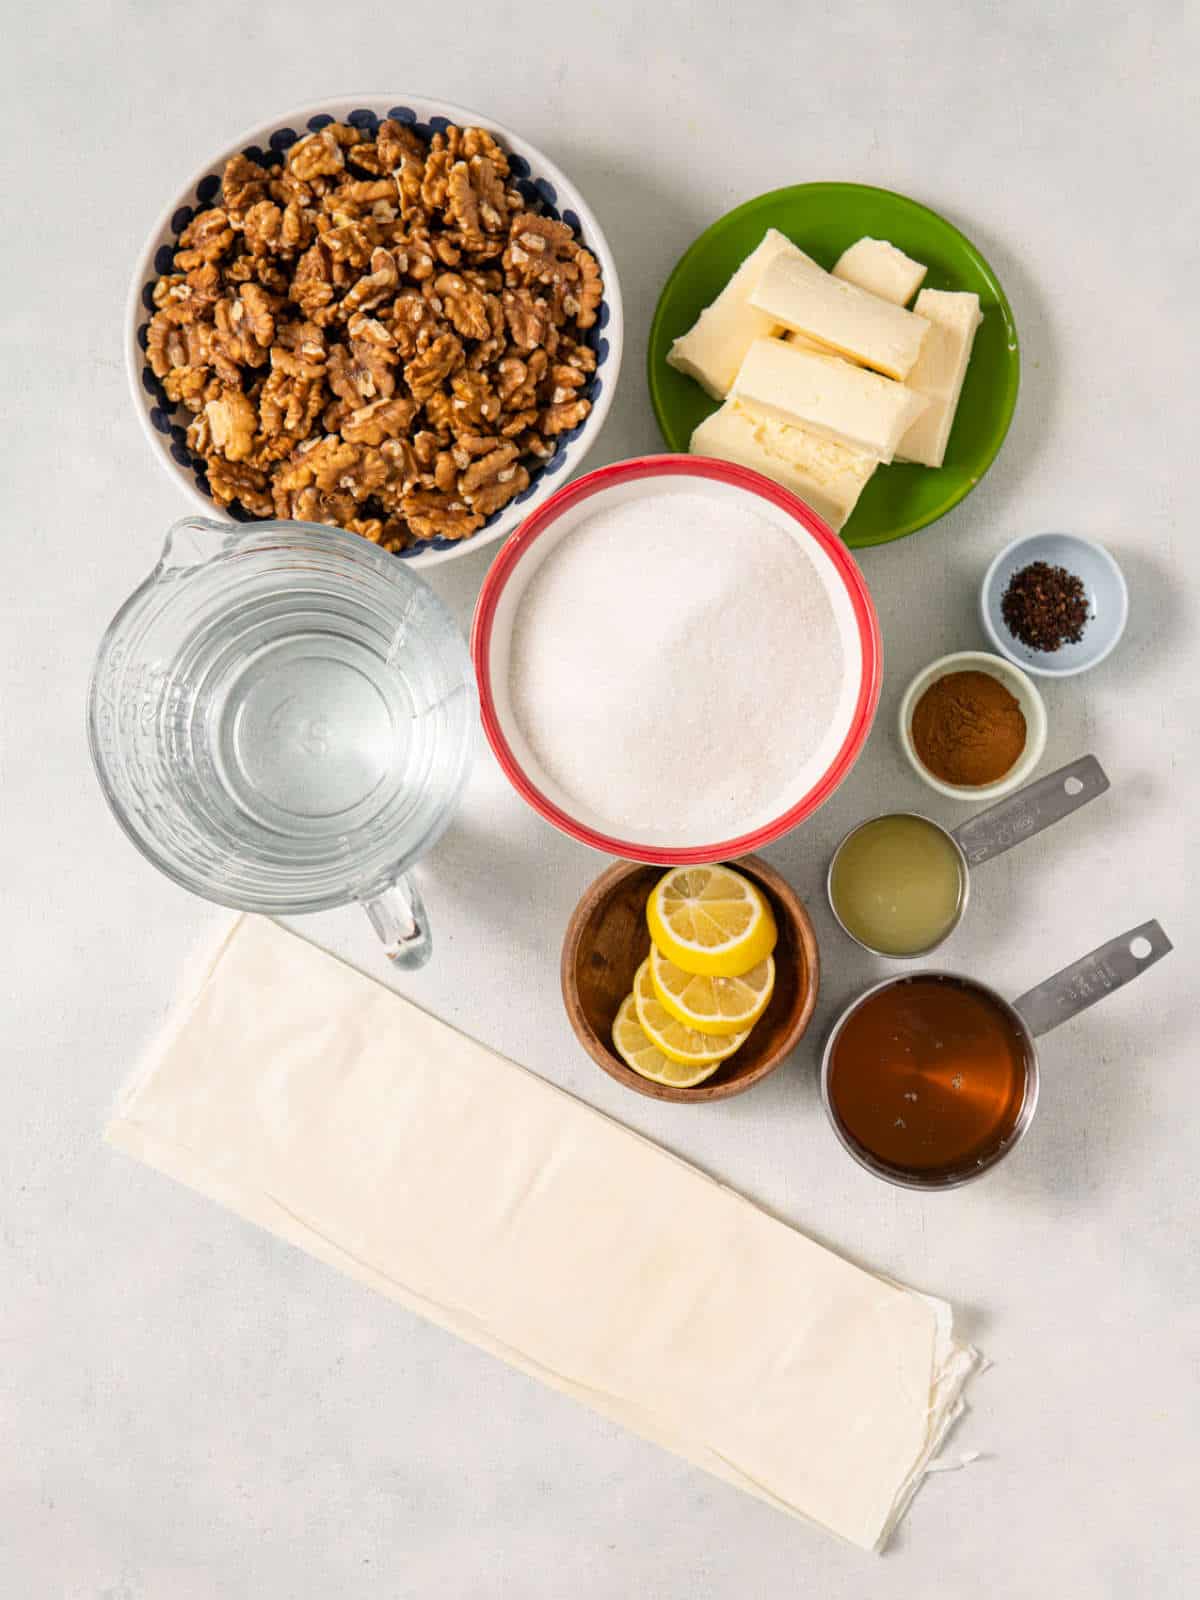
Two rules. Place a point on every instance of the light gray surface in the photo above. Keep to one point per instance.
(188, 1409)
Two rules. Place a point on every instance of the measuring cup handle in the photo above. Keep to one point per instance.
(1084, 982)
(1030, 810)
(399, 917)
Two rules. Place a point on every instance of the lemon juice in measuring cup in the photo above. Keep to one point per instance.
(282, 718)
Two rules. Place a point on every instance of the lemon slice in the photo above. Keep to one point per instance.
(636, 1051)
(710, 920)
(712, 1005)
(687, 1046)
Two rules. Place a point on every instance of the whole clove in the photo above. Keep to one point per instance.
(1045, 607)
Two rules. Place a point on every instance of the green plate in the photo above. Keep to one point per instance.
(823, 219)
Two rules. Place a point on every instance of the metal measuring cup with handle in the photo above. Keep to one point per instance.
(990, 833)
(1045, 1006)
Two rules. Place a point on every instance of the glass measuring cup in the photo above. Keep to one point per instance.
(983, 836)
(282, 718)
(931, 1111)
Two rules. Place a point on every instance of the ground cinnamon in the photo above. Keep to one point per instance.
(968, 729)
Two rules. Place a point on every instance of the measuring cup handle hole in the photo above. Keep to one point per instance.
(1140, 948)
(1073, 786)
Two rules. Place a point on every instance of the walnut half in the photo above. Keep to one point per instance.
(493, 480)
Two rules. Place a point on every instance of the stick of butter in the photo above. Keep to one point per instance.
(814, 348)
(939, 372)
(827, 476)
(853, 407)
(712, 349)
(804, 299)
(882, 269)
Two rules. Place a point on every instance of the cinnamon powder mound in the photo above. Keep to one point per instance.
(968, 729)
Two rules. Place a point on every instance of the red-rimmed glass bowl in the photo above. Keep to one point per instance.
(672, 474)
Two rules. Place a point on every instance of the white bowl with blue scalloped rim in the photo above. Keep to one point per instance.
(1103, 583)
(544, 186)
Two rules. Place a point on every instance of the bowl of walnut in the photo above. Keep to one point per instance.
(397, 318)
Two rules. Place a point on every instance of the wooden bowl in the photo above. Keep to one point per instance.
(607, 940)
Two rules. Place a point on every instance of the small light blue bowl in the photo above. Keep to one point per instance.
(1108, 602)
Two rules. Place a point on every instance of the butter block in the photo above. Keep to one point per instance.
(813, 346)
(954, 318)
(827, 476)
(831, 397)
(880, 268)
(712, 349)
(804, 299)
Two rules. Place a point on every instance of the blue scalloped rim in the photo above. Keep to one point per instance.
(539, 194)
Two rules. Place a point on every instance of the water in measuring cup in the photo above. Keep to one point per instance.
(307, 734)
(315, 744)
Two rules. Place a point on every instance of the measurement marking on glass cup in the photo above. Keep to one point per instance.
(312, 734)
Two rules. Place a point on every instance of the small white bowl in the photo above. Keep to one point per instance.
(1107, 597)
(546, 185)
(1017, 684)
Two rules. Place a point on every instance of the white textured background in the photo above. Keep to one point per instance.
(190, 1410)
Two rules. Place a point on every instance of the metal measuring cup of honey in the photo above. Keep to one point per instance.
(913, 898)
(931, 1078)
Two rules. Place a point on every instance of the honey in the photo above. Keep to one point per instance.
(928, 1076)
(897, 884)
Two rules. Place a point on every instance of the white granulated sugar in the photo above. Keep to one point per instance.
(675, 664)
